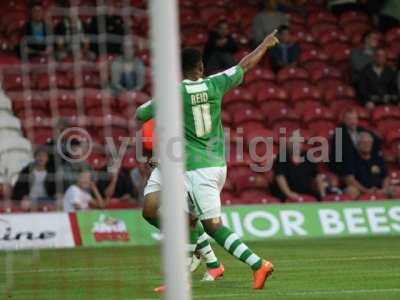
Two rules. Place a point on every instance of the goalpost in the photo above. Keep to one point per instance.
(166, 77)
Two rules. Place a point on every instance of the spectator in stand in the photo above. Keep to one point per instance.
(115, 182)
(343, 145)
(219, 49)
(296, 175)
(340, 6)
(114, 32)
(70, 37)
(286, 52)
(360, 58)
(34, 33)
(367, 173)
(390, 15)
(79, 195)
(267, 20)
(35, 182)
(378, 82)
(73, 163)
(127, 71)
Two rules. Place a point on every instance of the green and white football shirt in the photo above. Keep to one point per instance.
(203, 131)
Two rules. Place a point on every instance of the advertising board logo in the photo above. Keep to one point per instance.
(110, 229)
(8, 233)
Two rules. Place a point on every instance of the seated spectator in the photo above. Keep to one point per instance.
(378, 82)
(114, 31)
(340, 6)
(367, 173)
(286, 52)
(35, 182)
(127, 71)
(360, 58)
(72, 164)
(266, 21)
(219, 49)
(344, 141)
(34, 33)
(79, 195)
(70, 37)
(115, 182)
(296, 175)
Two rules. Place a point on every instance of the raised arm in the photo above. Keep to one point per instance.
(253, 58)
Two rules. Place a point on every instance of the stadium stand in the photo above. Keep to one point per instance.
(310, 94)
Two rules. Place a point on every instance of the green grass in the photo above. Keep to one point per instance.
(353, 269)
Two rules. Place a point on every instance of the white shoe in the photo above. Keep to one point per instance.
(195, 263)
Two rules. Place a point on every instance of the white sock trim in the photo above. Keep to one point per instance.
(202, 238)
(230, 240)
(239, 250)
(252, 259)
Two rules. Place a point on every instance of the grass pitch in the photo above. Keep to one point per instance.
(358, 268)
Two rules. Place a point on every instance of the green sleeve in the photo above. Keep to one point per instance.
(145, 111)
(228, 79)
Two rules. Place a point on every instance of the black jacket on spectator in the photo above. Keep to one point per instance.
(114, 26)
(369, 172)
(123, 186)
(219, 57)
(371, 83)
(22, 187)
(299, 176)
(349, 151)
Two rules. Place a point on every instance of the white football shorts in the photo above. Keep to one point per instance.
(203, 187)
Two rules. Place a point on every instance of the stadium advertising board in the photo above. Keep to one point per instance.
(36, 230)
(108, 228)
(255, 222)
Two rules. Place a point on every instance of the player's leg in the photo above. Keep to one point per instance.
(207, 184)
(150, 209)
(150, 213)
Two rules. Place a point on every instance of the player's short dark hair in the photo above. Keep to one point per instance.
(191, 58)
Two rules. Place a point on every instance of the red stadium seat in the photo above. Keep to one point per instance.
(394, 176)
(357, 28)
(306, 104)
(251, 180)
(321, 17)
(304, 92)
(291, 76)
(312, 57)
(271, 107)
(132, 99)
(303, 198)
(195, 40)
(259, 74)
(339, 92)
(392, 137)
(349, 17)
(338, 52)
(316, 114)
(257, 197)
(97, 161)
(282, 114)
(228, 198)
(240, 117)
(272, 93)
(129, 160)
(238, 95)
(12, 82)
(336, 198)
(326, 77)
(332, 36)
(393, 36)
(385, 112)
(42, 136)
(372, 196)
(296, 19)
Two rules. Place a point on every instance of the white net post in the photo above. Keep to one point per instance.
(166, 64)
